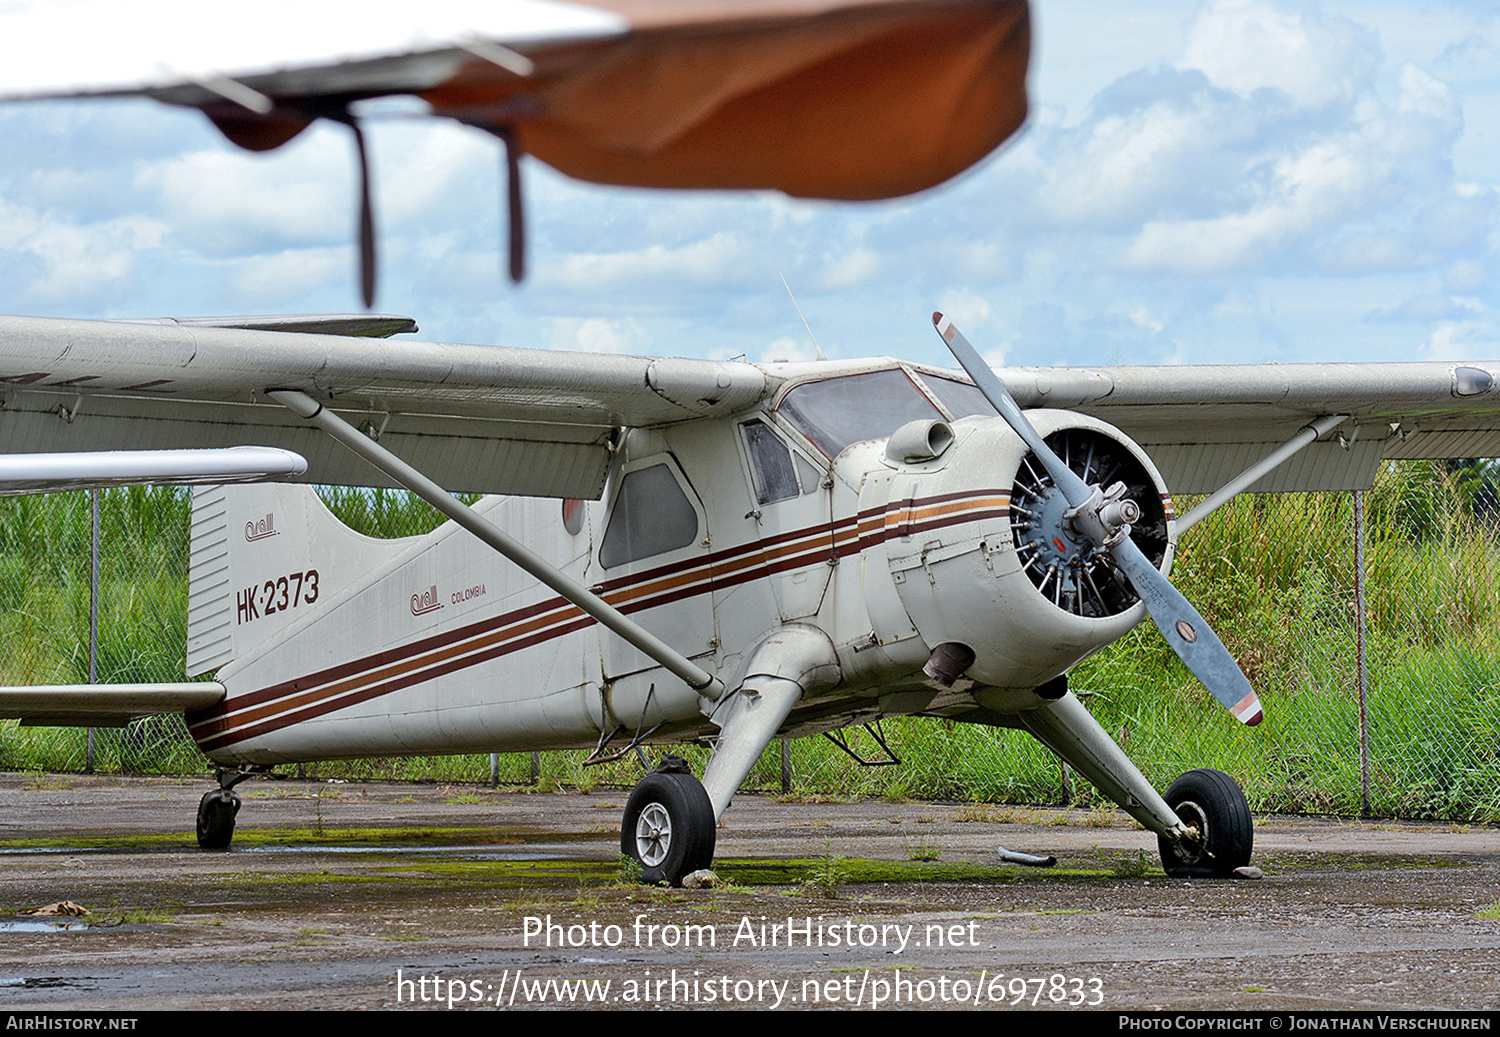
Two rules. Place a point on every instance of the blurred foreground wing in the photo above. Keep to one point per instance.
(818, 98)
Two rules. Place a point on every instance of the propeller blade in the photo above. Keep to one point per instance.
(1073, 487)
(1189, 635)
(1186, 631)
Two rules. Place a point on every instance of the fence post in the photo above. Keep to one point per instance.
(1359, 651)
(88, 762)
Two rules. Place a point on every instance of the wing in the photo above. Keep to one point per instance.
(483, 419)
(819, 98)
(22, 473)
(840, 99)
(494, 419)
(1203, 425)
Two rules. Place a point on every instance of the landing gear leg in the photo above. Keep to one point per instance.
(217, 809)
(669, 824)
(1203, 823)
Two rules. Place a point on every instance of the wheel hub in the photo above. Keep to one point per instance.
(653, 834)
(1194, 846)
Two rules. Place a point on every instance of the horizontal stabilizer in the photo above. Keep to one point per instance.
(53, 473)
(102, 705)
(350, 325)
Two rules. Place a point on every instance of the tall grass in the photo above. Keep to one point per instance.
(1273, 574)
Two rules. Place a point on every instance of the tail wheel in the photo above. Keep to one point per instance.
(668, 827)
(1211, 803)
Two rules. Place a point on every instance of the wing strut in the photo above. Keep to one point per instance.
(304, 406)
(1305, 436)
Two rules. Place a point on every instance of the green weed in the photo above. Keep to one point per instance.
(827, 875)
(1130, 866)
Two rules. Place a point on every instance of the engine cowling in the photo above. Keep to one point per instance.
(980, 551)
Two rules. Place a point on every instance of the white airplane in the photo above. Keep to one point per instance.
(719, 551)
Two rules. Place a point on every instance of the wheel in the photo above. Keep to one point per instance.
(1211, 802)
(216, 812)
(668, 827)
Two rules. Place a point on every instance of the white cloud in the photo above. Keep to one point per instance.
(283, 278)
(965, 308)
(1142, 318)
(1251, 45)
(1384, 164)
(995, 358)
(225, 203)
(81, 263)
(1458, 340)
(708, 261)
(1466, 276)
(1122, 164)
(421, 168)
(598, 335)
(1427, 308)
(858, 266)
(789, 349)
(1306, 191)
(17, 225)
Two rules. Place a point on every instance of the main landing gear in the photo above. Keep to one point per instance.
(1214, 809)
(669, 824)
(216, 811)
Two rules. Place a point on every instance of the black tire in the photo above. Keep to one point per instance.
(1212, 802)
(668, 827)
(216, 812)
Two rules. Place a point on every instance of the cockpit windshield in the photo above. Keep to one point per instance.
(838, 411)
(961, 398)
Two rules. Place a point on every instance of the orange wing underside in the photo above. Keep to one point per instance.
(838, 100)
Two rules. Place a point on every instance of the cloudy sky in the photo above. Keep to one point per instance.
(1222, 181)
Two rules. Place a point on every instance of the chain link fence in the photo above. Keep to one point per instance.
(1369, 623)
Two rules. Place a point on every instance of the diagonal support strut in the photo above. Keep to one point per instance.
(304, 406)
(1305, 437)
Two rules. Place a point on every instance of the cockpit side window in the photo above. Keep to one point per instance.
(771, 467)
(838, 411)
(651, 516)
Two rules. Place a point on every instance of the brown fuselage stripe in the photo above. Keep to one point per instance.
(406, 680)
(351, 676)
(337, 687)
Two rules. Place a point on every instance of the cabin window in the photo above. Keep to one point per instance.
(812, 477)
(838, 411)
(771, 467)
(652, 516)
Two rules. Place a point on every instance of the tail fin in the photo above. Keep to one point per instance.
(263, 556)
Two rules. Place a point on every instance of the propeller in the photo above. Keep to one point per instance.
(1103, 517)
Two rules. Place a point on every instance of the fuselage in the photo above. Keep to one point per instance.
(713, 534)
